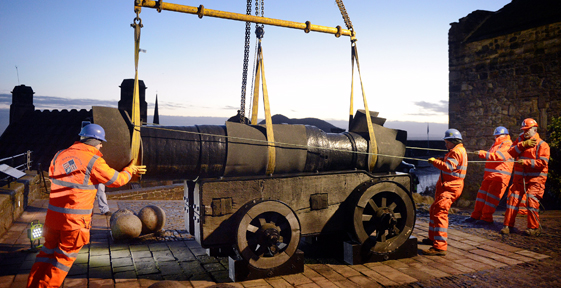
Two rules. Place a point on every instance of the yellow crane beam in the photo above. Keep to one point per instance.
(202, 11)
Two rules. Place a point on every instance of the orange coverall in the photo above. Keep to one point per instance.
(495, 179)
(448, 188)
(74, 173)
(530, 178)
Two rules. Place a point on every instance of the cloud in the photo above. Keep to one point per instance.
(51, 103)
(430, 108)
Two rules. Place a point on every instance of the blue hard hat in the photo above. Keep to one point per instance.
(452, 134)
(500, 131)
(93, 131)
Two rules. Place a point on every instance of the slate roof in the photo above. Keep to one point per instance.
(516, 16)
(44, 133)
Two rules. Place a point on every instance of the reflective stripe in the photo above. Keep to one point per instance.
(493, 196)
(530, 174)
(53, 262)
(534, 209)
(89, 169)
(490, 204)
(532, 197)
(544, 159)
(454, 161)
(480, 200)
(438, 229)
(58, 250)
(517, 150)
(487, 155)
(70, 210)
(54, 159)
(441, 238)
(533, 163)
(450, 167)
(72, 185)
(501, 154)
(454, 174)
(514, 195)
(113, 179)
(511, 207)
(538, 149)
(497, 171)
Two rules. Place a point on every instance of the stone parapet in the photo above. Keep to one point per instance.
(169, 192)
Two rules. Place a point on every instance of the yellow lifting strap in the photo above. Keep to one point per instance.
(260, 72)
(135, 142)
(372, 145)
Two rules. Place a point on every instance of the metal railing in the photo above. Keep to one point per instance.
(20, 162)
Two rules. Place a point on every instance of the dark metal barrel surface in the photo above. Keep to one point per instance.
(235, 149)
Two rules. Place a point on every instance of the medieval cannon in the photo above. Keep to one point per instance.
(320, 186)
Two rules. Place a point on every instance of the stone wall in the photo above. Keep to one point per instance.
(169, 192)
(15, 197)
(499, 82)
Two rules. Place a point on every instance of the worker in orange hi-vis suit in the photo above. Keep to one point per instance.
(522, 210)
(530, 174)
(448, 188)
(74, 174)
(495, 180)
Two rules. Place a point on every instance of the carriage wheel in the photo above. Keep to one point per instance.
(268, 234)
(384, 216)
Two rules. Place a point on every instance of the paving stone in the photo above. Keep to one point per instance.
(326, 284)
(146, 267)
(278, 282)
(141, 254)
(363, 281)
(532, 254)
(222, 276)
(162, 256)
(120, 262)
(138, 247)
(82, 258)
(192, 268)
(156, 276)
(74, 282)
(184, 256)
(475, 265)
(200, 279)
(122, 283)
(427, 269)
(95, 251)
(372, 274)
(158, 247)
(101, 283)
(391, 273)
(212, 267)
(484, 260)
(256, 283)
(171, 267)
(119, 246)
(495, 256)
(296, 279)
(123, 268)
(326, 272)
(396, 264)
(78, 269)
(120, 254)
(175, 277)
(99, 260)
(125, 275)
(100, 272)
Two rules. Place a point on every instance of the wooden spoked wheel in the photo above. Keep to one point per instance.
(384, 216)
(268, 234)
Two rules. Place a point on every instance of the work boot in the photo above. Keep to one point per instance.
(434, 252)
(108, 213)
(533, 232)
(483, 222)
(505, 230)
(427, 241)
(470, 220)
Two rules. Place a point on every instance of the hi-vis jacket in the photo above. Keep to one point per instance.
(453, 167)
(498, 171)
(74, 174)
(536, 160)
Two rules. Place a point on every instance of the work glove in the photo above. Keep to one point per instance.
(431, 160)
(520, 161)
(137, 169)
(529, 143)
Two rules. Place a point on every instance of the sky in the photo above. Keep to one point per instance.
(75, 54)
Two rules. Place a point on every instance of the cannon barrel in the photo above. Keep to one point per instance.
(235, 149)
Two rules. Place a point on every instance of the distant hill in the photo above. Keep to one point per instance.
(321, 124)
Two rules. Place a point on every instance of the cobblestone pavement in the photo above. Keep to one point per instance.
(477, 256)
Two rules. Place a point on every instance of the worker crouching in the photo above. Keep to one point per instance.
(74, 173)
(449, 187)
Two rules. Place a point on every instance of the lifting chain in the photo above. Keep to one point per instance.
(245, 62)
(346, 18)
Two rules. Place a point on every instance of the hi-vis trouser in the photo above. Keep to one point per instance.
(57, 256)
(535, 193)
(488, 198)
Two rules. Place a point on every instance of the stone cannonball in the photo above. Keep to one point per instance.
(153, 219)
(125, 227)
(119, 213)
